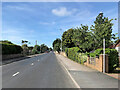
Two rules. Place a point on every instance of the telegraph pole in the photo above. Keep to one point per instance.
(36, 42)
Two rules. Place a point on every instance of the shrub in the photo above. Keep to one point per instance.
(73, 53)
(34, 51)
(66, 51)
(92, 54)
(10, 49)
(112, 56)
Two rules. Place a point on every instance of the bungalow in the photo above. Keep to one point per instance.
(117, 46)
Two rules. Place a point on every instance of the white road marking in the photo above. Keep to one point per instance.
(32, 64)
(38, 60)
(15, 74)
(68, 72)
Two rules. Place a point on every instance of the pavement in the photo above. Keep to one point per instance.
(87, 77)
(42, 71)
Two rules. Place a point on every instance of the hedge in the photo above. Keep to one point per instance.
(112, 55)
(73, 53)
(10, 48)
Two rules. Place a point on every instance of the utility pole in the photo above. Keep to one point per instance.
(36, 42)
(61, 39)
(103, 55)
(40, 49)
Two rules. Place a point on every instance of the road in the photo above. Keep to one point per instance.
(43, 71)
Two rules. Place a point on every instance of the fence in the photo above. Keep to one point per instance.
(92, 60)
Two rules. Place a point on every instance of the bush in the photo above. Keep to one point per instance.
(34, 51)
(112, 56)
(73, 53)
(66, 51)
(92, 54)
(10, 49)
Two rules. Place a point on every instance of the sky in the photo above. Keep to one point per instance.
(42, 21)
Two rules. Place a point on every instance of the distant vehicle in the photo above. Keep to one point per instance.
(46, 51)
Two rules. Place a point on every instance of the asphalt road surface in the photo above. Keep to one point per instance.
(43, 71)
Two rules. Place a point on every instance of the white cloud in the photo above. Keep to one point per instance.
(62, 11)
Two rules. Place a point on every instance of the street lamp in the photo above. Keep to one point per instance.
(103, 55)
(61, 39)
(103, 48)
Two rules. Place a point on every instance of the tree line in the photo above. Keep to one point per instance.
(88, 38)
(9, 48)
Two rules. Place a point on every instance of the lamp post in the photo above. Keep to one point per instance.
(103, 55)
(61, 39)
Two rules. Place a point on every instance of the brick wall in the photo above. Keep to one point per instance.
(98, 63)
(63, 53)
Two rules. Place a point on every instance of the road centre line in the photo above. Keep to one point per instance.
(15, 74)
(32, 64)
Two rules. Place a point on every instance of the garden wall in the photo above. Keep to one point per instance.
(97, 63)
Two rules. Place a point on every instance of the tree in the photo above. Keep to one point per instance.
(67, 39)
(37, 47)
(102, 29)
(6, 41)
(82, 38)
(57, 47)
(25, 49)
(44, 48)
(57, 44)
(24, 41)
(50, 49)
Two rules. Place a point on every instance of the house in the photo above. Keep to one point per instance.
(116, 46)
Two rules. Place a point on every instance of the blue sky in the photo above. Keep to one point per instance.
(42, 21)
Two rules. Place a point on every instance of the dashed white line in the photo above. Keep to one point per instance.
(32, 64)
(15, 74)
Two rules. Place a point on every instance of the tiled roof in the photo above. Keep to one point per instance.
(118, 43)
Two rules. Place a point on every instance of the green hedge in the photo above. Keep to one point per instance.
(112, 55)
(34, 51)
(10, 49)
(73, 53)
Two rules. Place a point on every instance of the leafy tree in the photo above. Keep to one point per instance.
(44, 48)
(6, 41)
(57, 44)
(50, 49)
(102, 29)
(67, 39)
(82, 38)
(34, 51)
(37, 47)
(25, 49)
(24, 41)
(57, 47)
(56, 41)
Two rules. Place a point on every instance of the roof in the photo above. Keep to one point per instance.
(117, 43)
